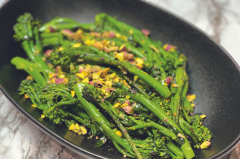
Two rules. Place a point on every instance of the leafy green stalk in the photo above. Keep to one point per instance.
(34, 69)
(98, 117)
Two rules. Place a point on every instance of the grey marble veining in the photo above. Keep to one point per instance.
(219, 19)
(19, 138)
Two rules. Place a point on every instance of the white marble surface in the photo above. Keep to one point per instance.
(220, 19)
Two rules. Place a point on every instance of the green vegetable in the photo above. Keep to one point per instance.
(139, 103)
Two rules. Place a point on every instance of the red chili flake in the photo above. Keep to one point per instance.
(59, 80)
(51, 29)
(127, 101)
(168, 80)
(80, 71)
(111, 34)
(168, 47)
(91, 82)
(145, 32)
(58, 68)
(101, 58)
(67, 32)
(53, 75)
(48, 53)
(124, 130)
(103, 99)
(144, 58)
(123, 48)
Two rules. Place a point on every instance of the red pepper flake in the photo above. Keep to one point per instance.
(59, 80)
(80, 71)
(47, 53)
(168, 80)
(58, 69)
(168, 47)
(67, 33)
(127, 101)
(111, 34)
(128, 110)
(144, 58)
(124, 131)
(91, 82)
(51, 29)
(145, 32)
(103, 99)
(123, 48)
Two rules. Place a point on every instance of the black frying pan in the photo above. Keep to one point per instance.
(214, 75)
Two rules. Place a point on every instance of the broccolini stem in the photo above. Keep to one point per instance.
(98, 117)
(159, 64)
(140, 90)
(35, 58)
(161, 129)
(30, 68)
(133, 49)
(37, 39)
(175, 153)
(158, 86)
(161, 114)
(124, 131)
(57, 22)
(70, 115)
(121, 150)
(79, 112)
(59, 104)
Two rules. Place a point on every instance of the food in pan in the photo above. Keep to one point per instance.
(111, 80)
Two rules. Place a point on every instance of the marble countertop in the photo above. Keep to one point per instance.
(219, 19)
